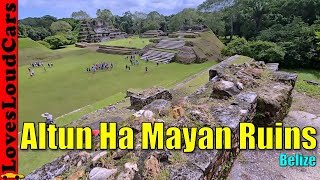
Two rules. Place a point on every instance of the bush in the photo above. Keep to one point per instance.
(56, 41)
(44, 44)
(265, 51)
(259, 50)
(71, 39)
(236, 46)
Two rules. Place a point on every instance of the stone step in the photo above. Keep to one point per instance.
(158, 56)
(154, 52)
(169, 44)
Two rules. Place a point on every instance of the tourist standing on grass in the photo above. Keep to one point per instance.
(31, 73)
(157, 64)
(94, 69)
(146, 69)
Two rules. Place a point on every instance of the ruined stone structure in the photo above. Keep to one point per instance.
(140, 99)
(160, 54)
(186, 55)
(96, 30)
(117, 50)
(153, 34)
(189, 32)
(250, 92)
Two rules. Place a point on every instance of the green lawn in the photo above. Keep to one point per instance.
(31, 51)
(67, 86)
(304, 87)
(129, 42)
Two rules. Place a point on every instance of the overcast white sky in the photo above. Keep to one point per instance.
(64, 8)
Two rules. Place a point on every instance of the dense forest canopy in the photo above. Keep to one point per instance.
(285, 31)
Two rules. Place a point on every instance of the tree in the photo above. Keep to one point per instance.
(80, 15)
(318, 40)
(37, 33)
(215, 22)
(186, 18)
(56, 41)
(151, 25)
(138, 19)
(22, 31)
(297, 38)
(73, 22)
(60, 27)
(106, 15)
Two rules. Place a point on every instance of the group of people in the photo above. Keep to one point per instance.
(100, 66)
(38, 64)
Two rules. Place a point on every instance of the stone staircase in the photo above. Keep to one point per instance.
(169, 44)
(117, 50)
(158, 56)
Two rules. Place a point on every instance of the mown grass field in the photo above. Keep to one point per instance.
(67, 86)
(134, 41)
(31, 51)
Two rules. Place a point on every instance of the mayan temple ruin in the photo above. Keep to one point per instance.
(97, 30)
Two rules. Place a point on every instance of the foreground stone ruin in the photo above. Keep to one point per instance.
(247, 92)
(140, 99)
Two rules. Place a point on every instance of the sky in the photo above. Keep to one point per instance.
(64, 8)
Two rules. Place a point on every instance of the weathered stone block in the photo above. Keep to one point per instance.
(274, 102)
(186, 55)
(285, 77)
(224, 89)
(139, 100)
(160, 106)
(273, 66)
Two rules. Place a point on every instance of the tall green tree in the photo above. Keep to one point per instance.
(80, 15)
(60, 27)
(106, 15)
(186, 18)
